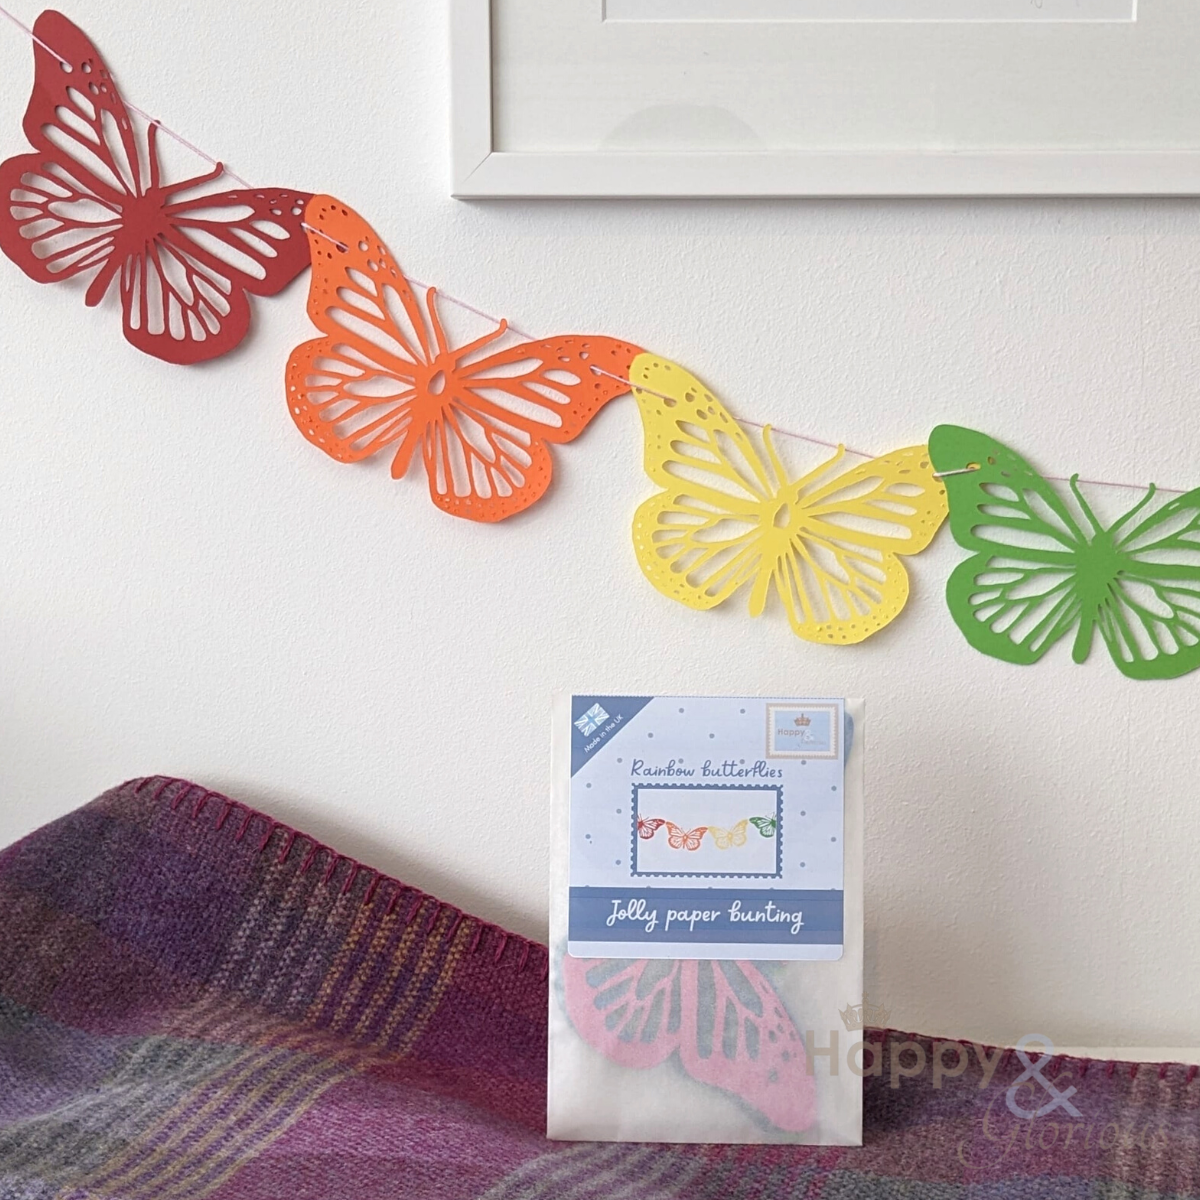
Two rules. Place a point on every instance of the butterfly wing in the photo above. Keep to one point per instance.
(836, 565)
(647, 827)
(725, 1019)
(353, 392)
(1018, 594)
(383, 378)
(61, 208)
(184, 293)
(736, 1035)
(487, 455)
(827, 548)
(699, 540)
(628, 1010)
(1149, 615)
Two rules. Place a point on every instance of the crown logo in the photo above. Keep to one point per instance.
(860, 1016)
(802, 720)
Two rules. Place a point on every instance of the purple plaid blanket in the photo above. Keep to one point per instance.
(196, 1001)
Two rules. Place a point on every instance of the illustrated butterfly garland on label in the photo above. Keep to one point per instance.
(90, 201)
(639, 1013)
(1038, 572)
(724, 839)
(385, 378)
(825, 544)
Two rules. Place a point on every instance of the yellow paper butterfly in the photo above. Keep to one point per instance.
(730, 837)
(826, 543)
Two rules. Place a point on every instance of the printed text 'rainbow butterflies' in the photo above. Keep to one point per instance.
(1041, 569)
(90, 201)
(825, 544)
(723, 1019)
(385, 378)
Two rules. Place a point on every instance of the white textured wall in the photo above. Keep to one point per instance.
(187, 586)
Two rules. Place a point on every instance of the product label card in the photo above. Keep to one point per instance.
(707, 827)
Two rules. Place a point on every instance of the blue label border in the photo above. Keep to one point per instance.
(707, 787)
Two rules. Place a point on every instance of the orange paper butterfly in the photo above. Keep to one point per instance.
(384, 377)
(685, 839)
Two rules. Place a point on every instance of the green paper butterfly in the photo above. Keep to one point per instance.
(764, 825)
(1036, 574)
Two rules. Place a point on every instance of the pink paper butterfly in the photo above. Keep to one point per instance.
(724, 1019)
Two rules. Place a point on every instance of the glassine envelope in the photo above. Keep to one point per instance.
(706, 919)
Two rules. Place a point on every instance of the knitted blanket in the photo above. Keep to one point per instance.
(196, 1001)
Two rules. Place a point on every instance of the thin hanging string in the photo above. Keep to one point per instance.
(803, 437)
(141, 112)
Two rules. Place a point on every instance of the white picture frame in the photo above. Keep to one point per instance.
(1116, 161)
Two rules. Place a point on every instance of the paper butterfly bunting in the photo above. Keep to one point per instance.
(825, 544)
(1037, 572)
(727, 838)
(685, 839)
(90, 201)
(723, 1019)
(385, 378)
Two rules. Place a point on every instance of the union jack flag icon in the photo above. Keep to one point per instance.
(591, 720)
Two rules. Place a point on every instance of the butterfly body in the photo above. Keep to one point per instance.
(724, 1020)
(1039, 570)
(1098, 567)
(90, 201)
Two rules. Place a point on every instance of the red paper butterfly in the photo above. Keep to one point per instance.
(647, 827)
(685, 839)
(724, 1019)
(385, 378)
(90, 199)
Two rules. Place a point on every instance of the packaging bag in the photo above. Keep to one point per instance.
(749, 1029)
